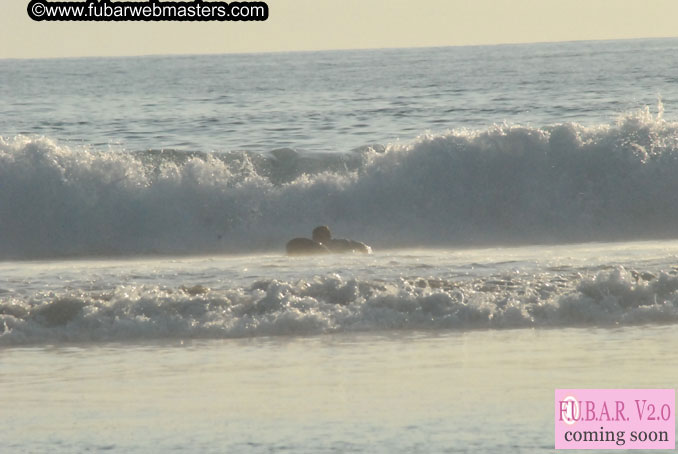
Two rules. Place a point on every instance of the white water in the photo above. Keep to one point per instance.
(615, 284)
(504, 185)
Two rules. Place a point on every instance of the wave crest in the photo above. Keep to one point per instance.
(506, 184)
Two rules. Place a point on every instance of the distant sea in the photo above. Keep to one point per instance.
(521, 201)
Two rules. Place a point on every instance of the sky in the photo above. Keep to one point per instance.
(299, 25)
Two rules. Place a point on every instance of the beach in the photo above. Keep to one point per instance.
(520, 201)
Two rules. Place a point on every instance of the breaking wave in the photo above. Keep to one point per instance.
(505, 184)
(331, 304)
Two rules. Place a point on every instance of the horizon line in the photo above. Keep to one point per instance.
(298, 51)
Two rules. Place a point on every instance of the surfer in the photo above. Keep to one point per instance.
(305, 246)
(323, 236)
(323, 243)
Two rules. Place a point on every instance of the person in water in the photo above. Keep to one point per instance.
(323, 243)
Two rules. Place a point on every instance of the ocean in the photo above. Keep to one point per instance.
(521, 202)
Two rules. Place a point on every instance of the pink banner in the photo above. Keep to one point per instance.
(615, 419)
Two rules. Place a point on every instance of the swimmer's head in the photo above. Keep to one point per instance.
(322, 234)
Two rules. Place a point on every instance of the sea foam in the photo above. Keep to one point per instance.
(332, 304)
(505, 184)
